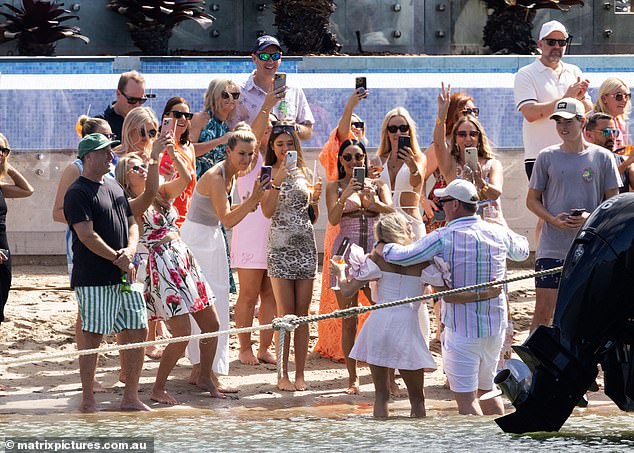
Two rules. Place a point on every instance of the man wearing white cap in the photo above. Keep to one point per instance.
(476, 252)
(541, 84)
(569, 181)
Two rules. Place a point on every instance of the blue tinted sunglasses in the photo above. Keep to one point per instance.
(270, 56)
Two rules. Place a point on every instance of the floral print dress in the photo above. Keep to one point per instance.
(174, 285)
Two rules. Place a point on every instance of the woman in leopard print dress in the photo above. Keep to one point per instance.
(291, 252)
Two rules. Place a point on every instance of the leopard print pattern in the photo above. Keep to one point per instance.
(291, 251)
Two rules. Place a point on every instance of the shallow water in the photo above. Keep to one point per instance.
(260, 429)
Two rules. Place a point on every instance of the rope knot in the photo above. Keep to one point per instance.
(287, 322)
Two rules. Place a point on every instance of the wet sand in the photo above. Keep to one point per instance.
(40, 319)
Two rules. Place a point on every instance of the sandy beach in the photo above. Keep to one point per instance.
(40, 320)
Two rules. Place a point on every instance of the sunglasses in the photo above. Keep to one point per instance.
(463, 134)
(620, 96)
(269, 56)
(442, 201)
(359, 157)
(110, 137)
(5, 151)
(226, 95)
(558, 42)
(139, 168)
(132, 100)
(178, 115)
(283, 129)
(393, 129)
(358, 124)
(475, 111)
(152, 133)
(607, 132)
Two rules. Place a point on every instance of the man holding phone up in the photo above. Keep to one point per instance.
(569, 181)
(290, 103)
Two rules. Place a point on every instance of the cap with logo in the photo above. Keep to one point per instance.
(93, 142)
(264, 41)
(550, 27)
(460, 190)
(568, 108)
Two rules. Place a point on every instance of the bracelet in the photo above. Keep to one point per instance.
(153, 162)
(276, 187)
(439, 121)
(341, 203)
(264, 111)
(481, 192)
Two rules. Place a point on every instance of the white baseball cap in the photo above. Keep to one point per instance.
(460, 190)
(568, 108)
(550, 27)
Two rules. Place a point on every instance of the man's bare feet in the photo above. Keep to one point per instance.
(88, 406)
(194, 375)
(353, 387)
(208, 384)
(97, 387)
(300, 384)
(267, 357)
(396, 391)
(122, 376)
(161, 396)
(153, 352)
(285, 384)
(134, 405)
(222, 388)
(247, 357)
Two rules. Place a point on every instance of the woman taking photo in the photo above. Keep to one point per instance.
(211, 206)
(403, 166)
(139, 130)
(354, 207)
(292, 252)
(19, 187)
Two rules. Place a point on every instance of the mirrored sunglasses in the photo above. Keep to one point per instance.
(471, 134)
(234, 95)
(269, 56)
(403, 128)
(358, 157)
(607, 132)
(178, 114)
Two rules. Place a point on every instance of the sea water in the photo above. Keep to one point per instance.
(288, 430)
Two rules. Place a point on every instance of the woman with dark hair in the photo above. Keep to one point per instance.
(354, 206)
(19, 187)
(292, 253)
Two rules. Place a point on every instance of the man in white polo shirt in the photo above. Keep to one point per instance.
(292, 105)
(541, 84)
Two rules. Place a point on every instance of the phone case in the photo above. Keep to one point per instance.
(358, 173)
(403, 141)
(471, 157)
(167, 126)
(360, 82)
(343, 246)
(264, 172)
(279, 80)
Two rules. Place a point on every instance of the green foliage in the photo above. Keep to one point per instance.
(150, 14)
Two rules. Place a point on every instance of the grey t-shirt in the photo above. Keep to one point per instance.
(570, 181)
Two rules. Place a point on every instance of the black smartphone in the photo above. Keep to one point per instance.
(265, 174)
(576, 212)
(358, 173)
(404, 141)
(343, 246)
(361, 82)
(279, 81)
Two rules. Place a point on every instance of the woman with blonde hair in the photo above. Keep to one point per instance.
(209, 127)
(140, 128)
(403, 166)
(19, 187)
(615, 99)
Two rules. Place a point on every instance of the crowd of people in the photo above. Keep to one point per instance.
(149, 199)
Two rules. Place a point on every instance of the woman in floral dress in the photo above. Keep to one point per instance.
(174, 286)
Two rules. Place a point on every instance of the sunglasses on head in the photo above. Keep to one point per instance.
(227, 95)
(139, 168)
(403, 128)
(471, 134)
(110, 137)
(358, 124)
(269, 56)
(5, 151)
(558, 42)
(620, 96)
(607, 132)
(132, 100)
(475, 111)
(283, 129)
(178, 114)
(152, 133)
(358, 157)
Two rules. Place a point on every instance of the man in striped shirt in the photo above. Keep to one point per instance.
(476, 252)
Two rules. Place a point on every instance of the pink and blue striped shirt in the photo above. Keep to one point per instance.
(476, 252)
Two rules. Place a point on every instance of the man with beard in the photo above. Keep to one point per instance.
(601, 130)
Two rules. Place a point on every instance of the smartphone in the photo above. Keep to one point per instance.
(576, 212)
(279, 80)
(167, 126)
(5, 252)
(345, 243)
(404, 141)
(291, 159)
(361, 82)
(265, 175)
(358, 173)
(471, 157)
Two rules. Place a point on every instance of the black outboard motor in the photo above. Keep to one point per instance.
(593, 323)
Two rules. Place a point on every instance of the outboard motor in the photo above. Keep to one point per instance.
(593, 323)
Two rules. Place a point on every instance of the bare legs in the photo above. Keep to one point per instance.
(469, 404)
(348, 335)
(414, 381)
(180, 326)
(207, 320)
(254, 282)
(545, 300)
(293, 297)
(79, 339)
(153, 352)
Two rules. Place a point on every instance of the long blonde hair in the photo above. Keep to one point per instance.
(610, 84)
(385, 147)
(3, 166)
(393, 227)
(135, 120)
(213, 96)
(122, 170)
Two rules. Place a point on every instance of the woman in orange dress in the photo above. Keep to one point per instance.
(350, 127)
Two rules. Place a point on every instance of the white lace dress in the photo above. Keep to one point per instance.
(391, 337)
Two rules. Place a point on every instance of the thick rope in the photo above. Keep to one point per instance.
(285, 324)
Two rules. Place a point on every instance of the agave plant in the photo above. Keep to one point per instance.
(151, 21)
(510, 22)
(304, 25)
(37, 26)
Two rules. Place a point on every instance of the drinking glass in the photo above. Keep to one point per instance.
(376, 166)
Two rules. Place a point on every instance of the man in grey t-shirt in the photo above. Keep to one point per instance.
(569, 181)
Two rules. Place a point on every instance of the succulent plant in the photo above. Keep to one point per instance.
(151, 21)
(304, 25)
(37, 26)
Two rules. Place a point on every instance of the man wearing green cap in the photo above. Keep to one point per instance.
(105, 237)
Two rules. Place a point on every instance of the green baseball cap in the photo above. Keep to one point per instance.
(93, 142)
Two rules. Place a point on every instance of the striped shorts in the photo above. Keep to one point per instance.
(106, 308)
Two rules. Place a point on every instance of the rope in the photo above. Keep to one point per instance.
(288, 323)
